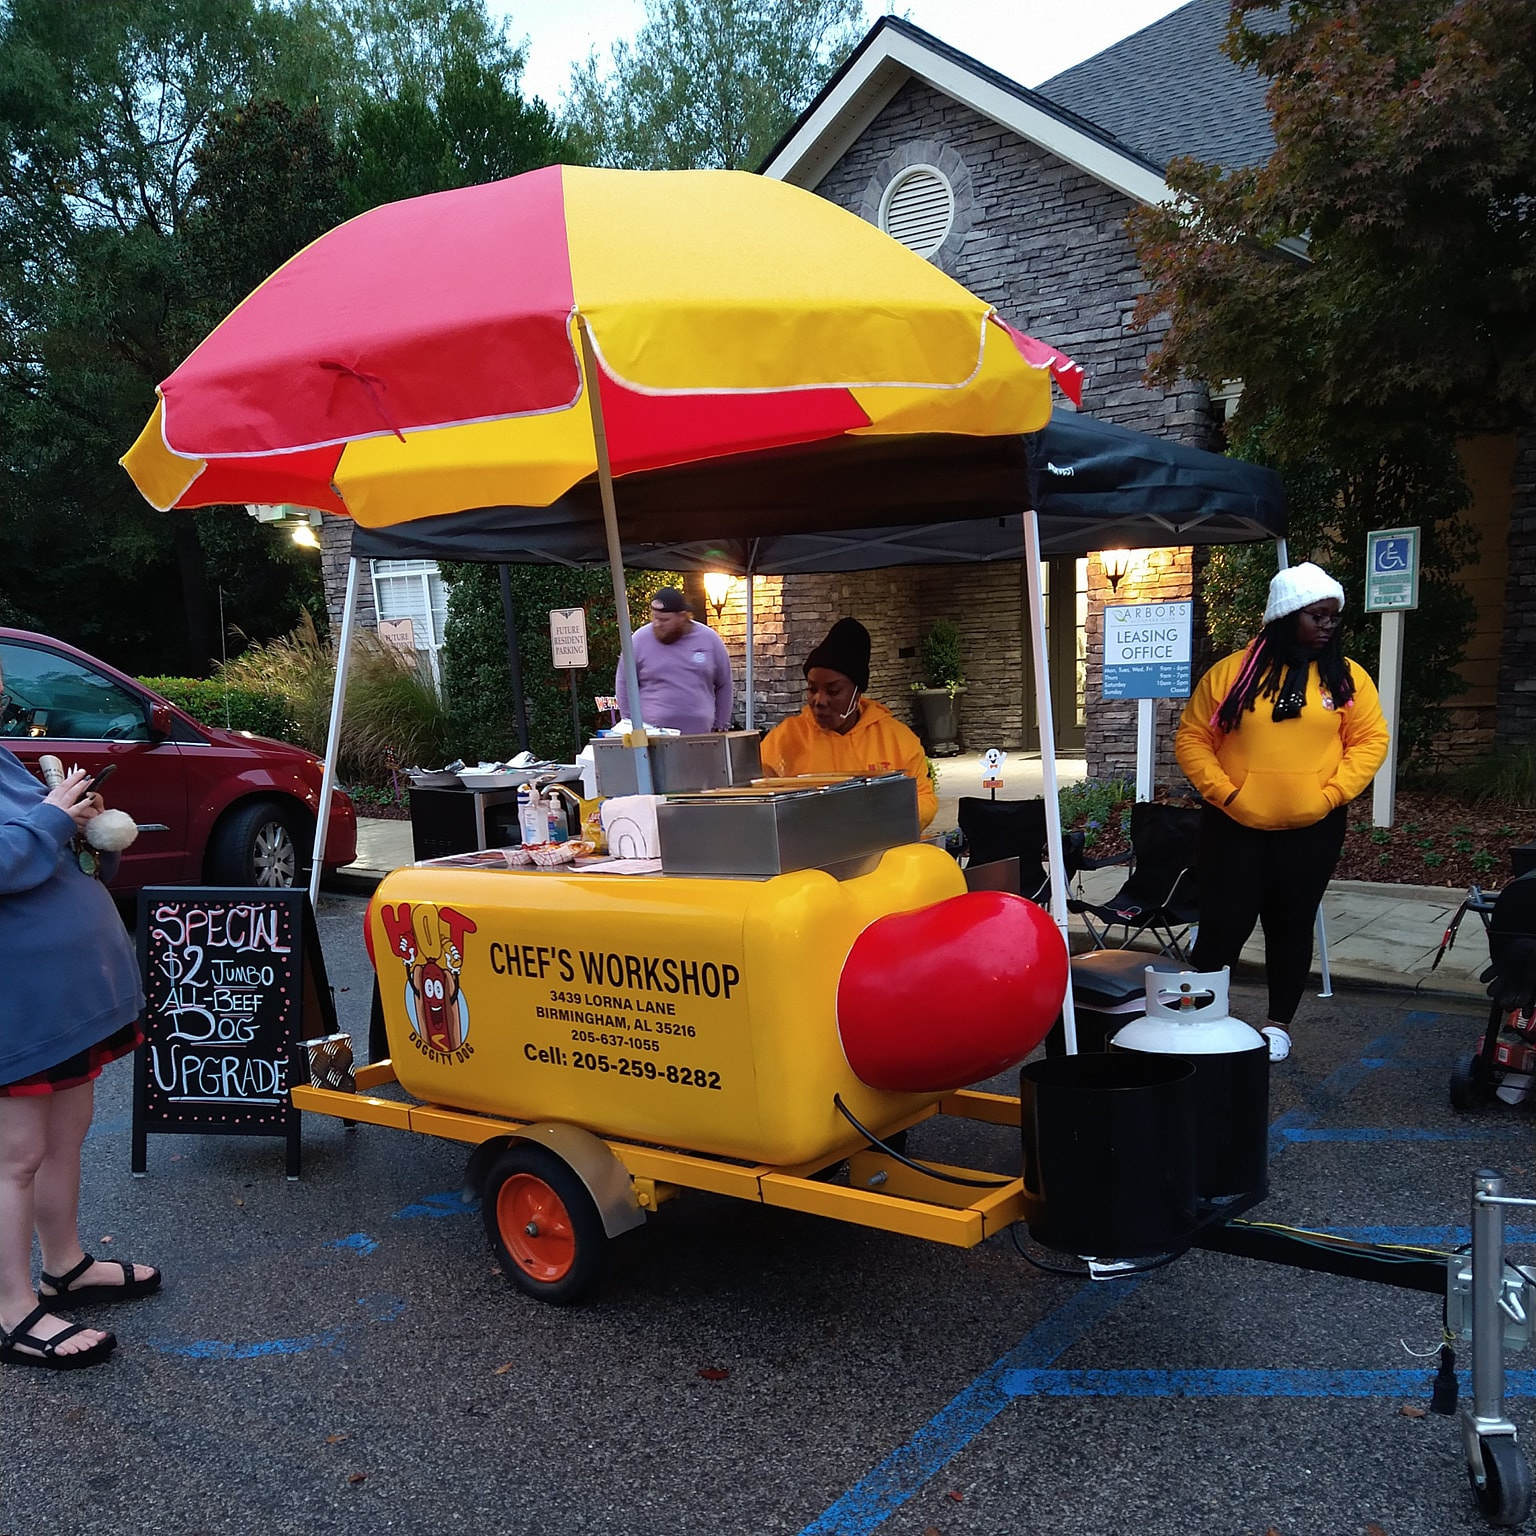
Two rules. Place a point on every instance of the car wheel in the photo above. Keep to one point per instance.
(258, 844)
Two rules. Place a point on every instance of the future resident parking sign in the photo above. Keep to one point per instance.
(1146, 651)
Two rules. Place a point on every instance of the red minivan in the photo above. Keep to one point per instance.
(214, 807)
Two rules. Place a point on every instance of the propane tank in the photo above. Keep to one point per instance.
(1187, 1016)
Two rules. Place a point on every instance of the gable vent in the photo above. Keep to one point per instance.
(918, 209)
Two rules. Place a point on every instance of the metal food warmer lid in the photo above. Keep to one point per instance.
(773, 826)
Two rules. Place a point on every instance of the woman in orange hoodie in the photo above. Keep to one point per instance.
(841, 731)
(1278, 738)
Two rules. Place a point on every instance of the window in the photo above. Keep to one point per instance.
(47, 694)
(414, 590)
(918, 209)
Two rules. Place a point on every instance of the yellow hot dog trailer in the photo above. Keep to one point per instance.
(605, 1039)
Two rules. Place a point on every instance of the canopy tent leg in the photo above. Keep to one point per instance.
(1046, 724)
(615, 557)
(750, 618)
(333, 731)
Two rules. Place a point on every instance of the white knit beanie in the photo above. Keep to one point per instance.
(1296, 587)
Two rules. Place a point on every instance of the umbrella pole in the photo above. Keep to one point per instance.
(1047, 726)
(643, 782)
(333, 732)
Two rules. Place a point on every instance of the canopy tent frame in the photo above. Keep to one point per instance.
(1114, 501)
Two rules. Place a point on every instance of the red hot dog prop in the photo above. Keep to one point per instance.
(950, 994)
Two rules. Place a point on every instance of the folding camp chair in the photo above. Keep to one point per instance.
(998, 830)
(1160, 896)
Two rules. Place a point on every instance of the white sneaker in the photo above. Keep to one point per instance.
(1279, 1042)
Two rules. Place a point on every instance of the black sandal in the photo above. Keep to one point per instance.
(47, 1356)
(59, 1288)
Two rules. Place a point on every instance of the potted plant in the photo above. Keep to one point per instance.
(938, 692)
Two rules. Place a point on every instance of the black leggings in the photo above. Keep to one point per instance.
(1275, 878)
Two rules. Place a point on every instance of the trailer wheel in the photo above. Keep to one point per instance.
(1503, 1492)
(543, 1225)
(1466, 1090)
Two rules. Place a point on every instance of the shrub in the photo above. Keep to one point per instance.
(1094, 803)
(482, 721)
(261, 711)
(938, 656)
(391, 706)
(1506, 777)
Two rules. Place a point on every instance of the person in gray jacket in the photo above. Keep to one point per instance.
(70, 1002)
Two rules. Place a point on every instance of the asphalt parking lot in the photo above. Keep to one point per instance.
(338, 1354)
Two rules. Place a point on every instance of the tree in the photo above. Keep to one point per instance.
(441, 104)
(708, 83)
(1373, 285)
(158, 159)
(101, 111)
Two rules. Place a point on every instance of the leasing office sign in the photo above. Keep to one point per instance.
(1147, 650)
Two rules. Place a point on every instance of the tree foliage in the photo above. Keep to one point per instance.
(437, 100)
(158, 159)
(476, 675)
(707, 83)
(1372, 286)
(1381, 267)
(102, 110)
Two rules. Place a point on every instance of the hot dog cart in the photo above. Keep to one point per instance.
(604, 1039)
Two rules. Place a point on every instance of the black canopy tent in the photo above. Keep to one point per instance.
(852, 503)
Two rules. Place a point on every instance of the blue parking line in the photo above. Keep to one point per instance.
(1379, 1133)
(876, 1497)
(382, 1309)
(1246, 1383)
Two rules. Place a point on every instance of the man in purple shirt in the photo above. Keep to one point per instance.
(684, 671)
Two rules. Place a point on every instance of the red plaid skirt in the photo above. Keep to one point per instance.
(80, 1068)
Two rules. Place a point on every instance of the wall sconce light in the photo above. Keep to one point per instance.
(1116, 563)
(300, 523)
(717, 588)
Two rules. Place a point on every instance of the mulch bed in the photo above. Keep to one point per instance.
(1435, 839)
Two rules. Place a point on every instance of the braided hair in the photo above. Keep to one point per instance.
(1276, 659)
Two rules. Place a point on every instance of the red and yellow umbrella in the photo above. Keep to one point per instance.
(437, 355)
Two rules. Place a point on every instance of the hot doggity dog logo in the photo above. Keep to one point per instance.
(429, 941)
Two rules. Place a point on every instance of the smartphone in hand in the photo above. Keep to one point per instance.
(101, 778)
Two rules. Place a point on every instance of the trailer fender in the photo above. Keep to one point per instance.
(589, 1158)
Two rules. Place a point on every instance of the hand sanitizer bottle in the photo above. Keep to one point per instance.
(532, 817)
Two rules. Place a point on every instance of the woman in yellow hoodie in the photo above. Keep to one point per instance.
(1278, 738)
(839, 730)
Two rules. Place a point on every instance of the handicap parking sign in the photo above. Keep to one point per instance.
(1392, 569)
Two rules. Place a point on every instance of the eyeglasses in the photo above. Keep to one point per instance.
(1324, 619)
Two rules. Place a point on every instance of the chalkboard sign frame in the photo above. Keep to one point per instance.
(309, 1011)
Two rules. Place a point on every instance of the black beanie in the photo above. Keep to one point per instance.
(845, 650)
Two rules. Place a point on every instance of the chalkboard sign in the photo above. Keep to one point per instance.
(234, 979)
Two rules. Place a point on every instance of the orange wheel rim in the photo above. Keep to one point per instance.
(536, 1227)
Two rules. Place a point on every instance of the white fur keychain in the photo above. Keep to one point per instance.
(109, 831)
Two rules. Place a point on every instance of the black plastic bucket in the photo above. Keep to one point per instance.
(1109, 1153)
(1232, 1123)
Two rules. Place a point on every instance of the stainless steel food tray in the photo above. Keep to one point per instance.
(780, 831)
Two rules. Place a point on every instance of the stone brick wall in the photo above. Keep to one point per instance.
(1516, 707)
(1046, 243)
(897, 606)
(335, 554)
